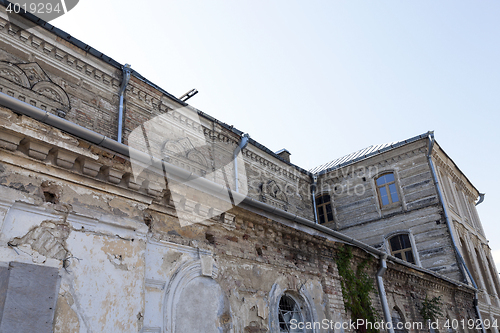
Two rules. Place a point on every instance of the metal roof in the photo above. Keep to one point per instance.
(363, 154)
(87, 48)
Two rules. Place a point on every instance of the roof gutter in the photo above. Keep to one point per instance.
(126, 70)
(314, 178)
(459, 257)
(180, 174)
(383, 296)
(481, 198)
(243, 143)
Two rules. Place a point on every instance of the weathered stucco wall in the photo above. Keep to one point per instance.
(54, 75)
(359, 213)
(126, 262)
(127, 249)
(459, 196)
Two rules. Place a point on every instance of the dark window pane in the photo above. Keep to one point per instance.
(405, 241)
(409, 257)
(383, 196)
(319, 200)
(326, 198)
(398, 255)
(330, 217)
(395, 243)
(328, 208)
(394, 193)
(322, 219)
(288, 312)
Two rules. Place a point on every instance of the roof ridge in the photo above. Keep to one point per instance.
(89, 49)
(362, 154)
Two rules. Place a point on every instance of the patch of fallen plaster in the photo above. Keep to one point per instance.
(51, 191)
(170, 261)
(255, 327)
(35, 256)
(48, 239)
(117, 261)
(66, 319)
(120, 207)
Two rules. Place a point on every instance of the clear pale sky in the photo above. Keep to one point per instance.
(323, 78)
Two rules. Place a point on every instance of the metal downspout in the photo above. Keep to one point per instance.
(461, 260)
(126, 77)
(243, 143)
(382, 294)
(183, 175)
(314, 178)
(481, 198)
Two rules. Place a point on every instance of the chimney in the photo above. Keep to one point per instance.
(284, 154)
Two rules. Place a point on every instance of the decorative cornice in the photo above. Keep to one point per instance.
(81, 161)
(359, 169)
(109, 80)
(451, 171)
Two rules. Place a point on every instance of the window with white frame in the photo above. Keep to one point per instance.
(386, 189)
(400, 246)
(448, 193)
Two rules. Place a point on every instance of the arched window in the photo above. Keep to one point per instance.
(397, 321)
(484, 273)
(468, 261)
(289, 310)
(493, 275)
(401, 247)
(324, 208)
(386, 189)
(449, 329)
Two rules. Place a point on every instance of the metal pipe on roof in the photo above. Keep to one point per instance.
(182, 175)
(481, 198)
(458, 255)
(243, 143)
(126, 70)
(383, 295)
(177, 172)
(314, 178)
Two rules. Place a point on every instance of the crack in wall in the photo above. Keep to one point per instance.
(48, 239)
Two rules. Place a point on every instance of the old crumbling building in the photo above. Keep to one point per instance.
(185, 224)
(411, 200)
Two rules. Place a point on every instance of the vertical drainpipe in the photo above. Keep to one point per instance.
(314, 178)
(243, 143)
(382, 294)
(126, 77)
(461, 260)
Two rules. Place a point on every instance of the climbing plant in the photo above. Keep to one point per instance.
(356, 288)
(431, 308)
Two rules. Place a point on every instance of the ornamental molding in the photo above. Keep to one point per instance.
(358, 169)
(451, 171)
(34, 43)
(406, 276)
(139, 96)
(68, 61)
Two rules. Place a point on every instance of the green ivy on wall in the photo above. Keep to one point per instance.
(356, 287)
(431, 308)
